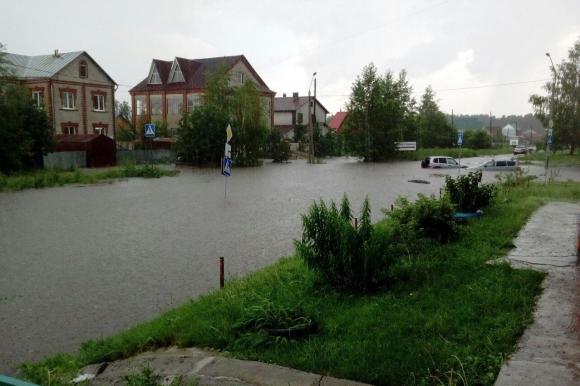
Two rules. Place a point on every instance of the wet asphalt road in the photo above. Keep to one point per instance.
(83, 262)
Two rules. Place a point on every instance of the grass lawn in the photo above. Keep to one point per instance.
(557, 158)
(447, 318)
(45, 178)
(451, 152)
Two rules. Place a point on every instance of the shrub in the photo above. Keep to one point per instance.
(428, 217)
(279, 147)
(467, 193)
(354, 259)
(518, 178)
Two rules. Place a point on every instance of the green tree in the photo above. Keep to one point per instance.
(434, 130)
(562, 103)
(381, 112)
(476, 139)
(279, 148)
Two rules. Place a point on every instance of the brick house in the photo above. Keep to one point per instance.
(173, 88)
(290, 112)
(76, 92)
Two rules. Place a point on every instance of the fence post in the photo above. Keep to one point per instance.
(355, 223)
(221, 272)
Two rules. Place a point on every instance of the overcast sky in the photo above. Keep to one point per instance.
(449, 44)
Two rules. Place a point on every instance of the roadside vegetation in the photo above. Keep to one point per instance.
(454, 152)
(434, 311)
(559, 158)
(44, 178)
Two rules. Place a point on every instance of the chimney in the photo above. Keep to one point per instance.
(284, 95)
(295, 96)
(56, 54)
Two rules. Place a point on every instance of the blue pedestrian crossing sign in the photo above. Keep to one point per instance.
(227, 166)
(150, 130)
(549, 140)
(460, 138)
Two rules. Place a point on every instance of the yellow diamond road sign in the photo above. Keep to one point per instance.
(229, 133)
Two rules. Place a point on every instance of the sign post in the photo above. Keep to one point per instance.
(548, 143)
(150, 134)
(227, 160)
(460, 143)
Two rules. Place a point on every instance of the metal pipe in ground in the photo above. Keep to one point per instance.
(221, 272)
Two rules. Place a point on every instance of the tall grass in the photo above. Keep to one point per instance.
(448, 317)
(55, 177)
(454, 152)
(560, 158)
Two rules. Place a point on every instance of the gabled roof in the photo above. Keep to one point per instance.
(44, 66)
(338, 120)
(194, 72)
(292, 104)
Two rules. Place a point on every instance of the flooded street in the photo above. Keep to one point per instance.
(83, 262)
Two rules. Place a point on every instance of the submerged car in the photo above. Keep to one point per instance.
(441, 162)
(520, 150)
(499, 165)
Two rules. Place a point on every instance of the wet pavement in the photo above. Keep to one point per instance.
(549, 351)
(83, 262)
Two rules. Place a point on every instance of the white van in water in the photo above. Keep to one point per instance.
(441, 162)
(499, 165)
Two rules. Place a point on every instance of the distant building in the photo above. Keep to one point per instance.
(337, 121)
(174, 87)
(290, 112)
(77, 94)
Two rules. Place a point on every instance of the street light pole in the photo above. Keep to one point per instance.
(552, 116)
(311, 136)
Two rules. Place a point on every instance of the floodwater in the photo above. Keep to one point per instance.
(84, 262)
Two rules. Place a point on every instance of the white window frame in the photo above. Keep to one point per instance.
(100, 99)
(175, 75)
(178, 100)
(101, 130)
(70, 130)
(195, 99)
(141, 105)
(38, 98)
(68, 100)
(237, 78)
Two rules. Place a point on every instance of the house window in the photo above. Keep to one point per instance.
(98, 102)
(237, 78)
(299, 118)
(156, 105)
(174, 104)
(68, 99)
(193, 100)
(38, 98)
(101, 130)
(155, 78)
(70, 128)
(83, 69)
(141, 103)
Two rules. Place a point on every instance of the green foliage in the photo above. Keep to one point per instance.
(146, 377)
(279, 148)
(202, 135)
(427, 217)
(434, 130)
(516, 179)
(467, 193)
(25, 130)
(266, 315)
(346, 257)
(299, 133)
(561, 103)
(326, 145)
(477, 139)
(381, 111)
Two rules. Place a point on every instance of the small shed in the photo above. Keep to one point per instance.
(100, 149)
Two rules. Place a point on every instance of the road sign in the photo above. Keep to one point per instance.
(460, 138)
(150, 130)
(227, 166)
(549, 137)
(228, 151)
(406, 146)
(229, 133)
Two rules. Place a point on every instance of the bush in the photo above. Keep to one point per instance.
(467, 193)
(428, 217)
(355, 259)
(279, 148)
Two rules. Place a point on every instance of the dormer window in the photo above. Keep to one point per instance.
(175, 75)
(154, 77)
(83, 69)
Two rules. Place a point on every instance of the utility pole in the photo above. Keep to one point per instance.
(311, 149)
(452, 127)
(315, 121)
(551, 124)
(490, 135)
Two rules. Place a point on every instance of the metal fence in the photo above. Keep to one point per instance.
(145, 156)
(66, 160)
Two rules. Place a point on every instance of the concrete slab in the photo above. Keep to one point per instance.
(549, 351)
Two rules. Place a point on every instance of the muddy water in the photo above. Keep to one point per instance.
(82, 262)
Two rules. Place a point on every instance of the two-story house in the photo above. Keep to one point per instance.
(173, 88)
(290, 112)
(76, 92)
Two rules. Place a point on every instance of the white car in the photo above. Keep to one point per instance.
(499, 165)
(441, 162)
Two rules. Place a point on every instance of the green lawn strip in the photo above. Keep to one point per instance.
(54, 177)
(451, 152)
(557, 158)
(449, 315)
